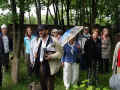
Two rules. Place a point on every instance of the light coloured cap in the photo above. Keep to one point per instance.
(54, 30)
(86, 28)
(3, 26)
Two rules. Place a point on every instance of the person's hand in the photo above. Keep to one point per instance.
(35, 55)
(33, 63)
(78, 46)
(81, 27)
(48, 57)
(112, 68)
(62, 64)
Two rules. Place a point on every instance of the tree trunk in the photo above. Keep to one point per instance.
(29, 18)
(55, 7)
(47, 11)
(21, 29)
(67, 11)
(94, 12)
(14, 69)
(62, 12)
(38, 10)
(50, 14)
(81, 13)
(118, 18)
(17, 39)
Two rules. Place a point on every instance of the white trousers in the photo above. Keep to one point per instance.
(70, 74)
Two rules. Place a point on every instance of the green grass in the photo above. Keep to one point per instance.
(59, 85)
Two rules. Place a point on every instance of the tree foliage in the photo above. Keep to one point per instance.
(73, 12)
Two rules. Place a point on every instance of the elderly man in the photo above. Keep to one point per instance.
(6, 46)
(54, 32)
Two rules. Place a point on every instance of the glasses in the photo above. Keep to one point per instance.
(54, 32)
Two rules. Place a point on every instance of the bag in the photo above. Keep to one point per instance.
(54, 65)
(114, 82)
(118, 63)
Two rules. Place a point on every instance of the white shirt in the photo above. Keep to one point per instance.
(33, 49)
(43, 47)
(6, 44)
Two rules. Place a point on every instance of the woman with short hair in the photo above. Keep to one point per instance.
(93, 55)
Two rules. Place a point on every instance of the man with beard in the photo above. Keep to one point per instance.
(47, 50)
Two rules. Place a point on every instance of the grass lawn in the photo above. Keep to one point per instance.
(25, 80)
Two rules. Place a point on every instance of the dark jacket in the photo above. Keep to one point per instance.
(92, 50)
(45, 64)
(2, 46)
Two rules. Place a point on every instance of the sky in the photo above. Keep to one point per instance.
(32, 12)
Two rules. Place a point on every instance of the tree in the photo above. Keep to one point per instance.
(14, 72)
(17, 37)
(67, 11)
(38, 10)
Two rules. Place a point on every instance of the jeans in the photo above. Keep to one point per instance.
(93, 70)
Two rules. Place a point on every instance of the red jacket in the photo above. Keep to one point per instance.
(118, 63)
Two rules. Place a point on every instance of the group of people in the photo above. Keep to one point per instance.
(45, 56)
(86, 51)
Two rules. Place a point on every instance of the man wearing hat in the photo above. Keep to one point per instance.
(43, 57)
(6, 45)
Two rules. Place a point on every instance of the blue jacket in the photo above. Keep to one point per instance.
(68, 55)
(27, 43)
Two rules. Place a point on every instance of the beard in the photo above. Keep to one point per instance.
(44, 35)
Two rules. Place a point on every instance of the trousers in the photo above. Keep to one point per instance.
(42, 71)
(93, 69)
(70, 74)
(29, 66)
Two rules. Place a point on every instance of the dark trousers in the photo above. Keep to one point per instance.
(93, 69)
(0, 75)
(46, 80)
(42, 70)
(83, 62)
(5, 61)
(104, 65)
(29, 66)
